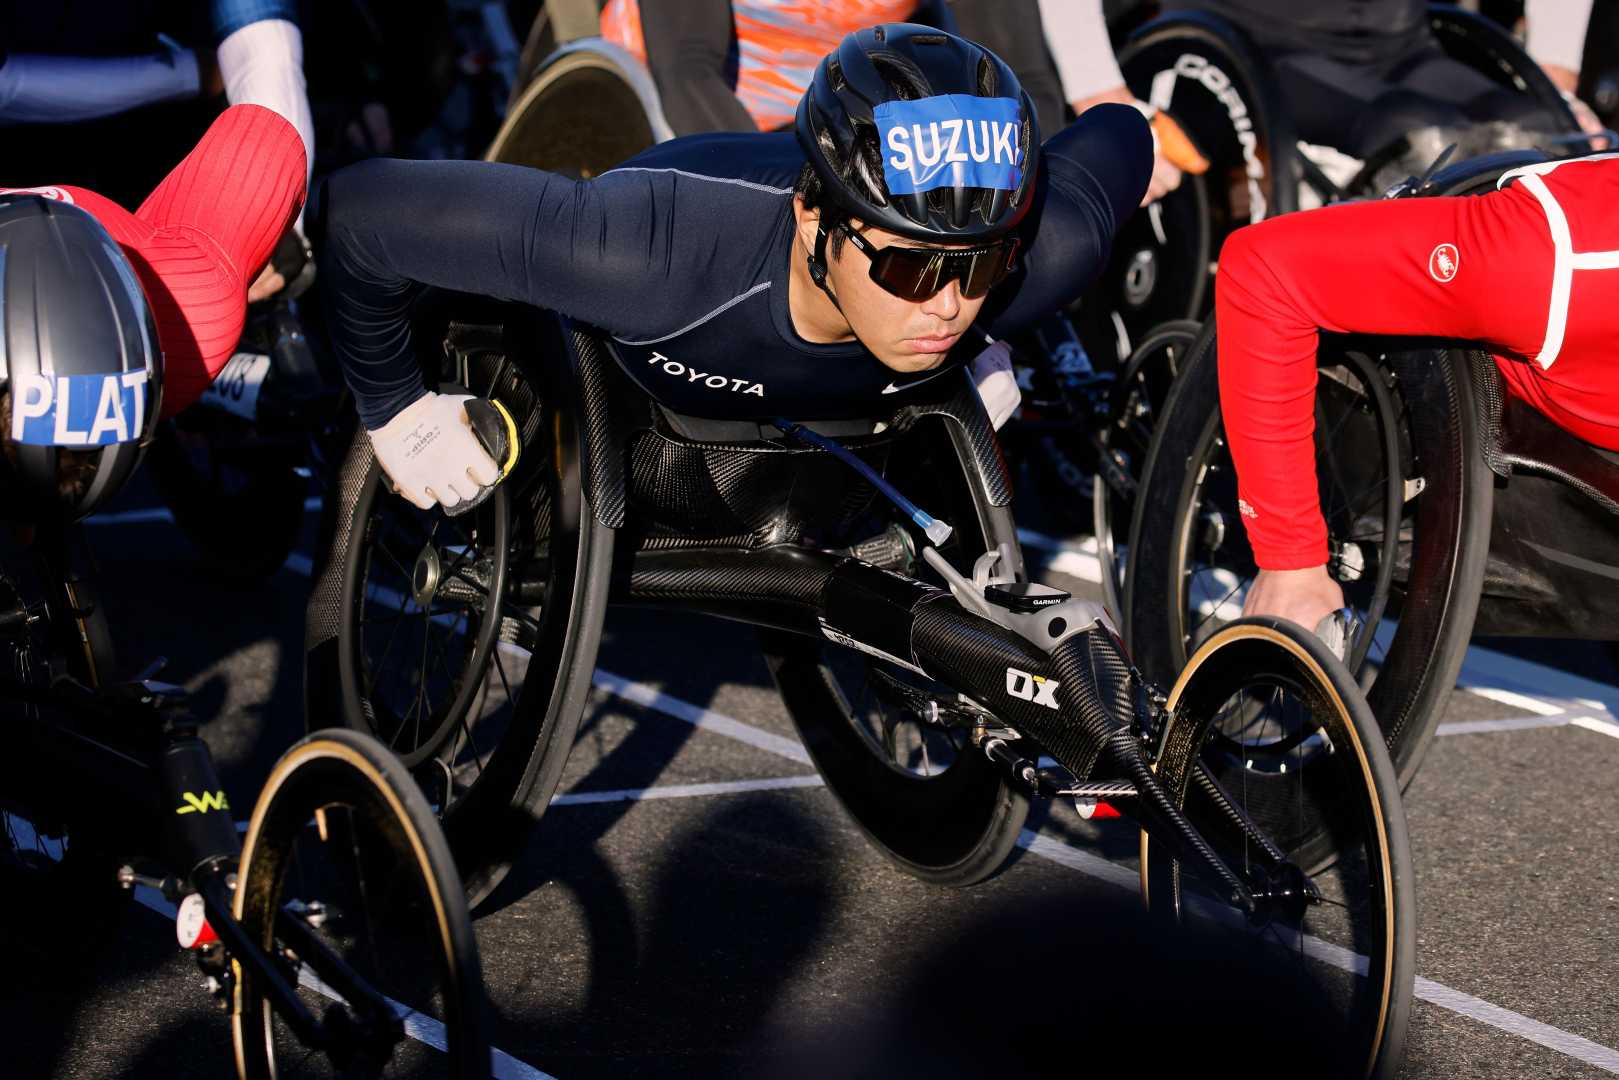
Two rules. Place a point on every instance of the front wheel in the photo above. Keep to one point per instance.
(1266, 721)
(348, 883)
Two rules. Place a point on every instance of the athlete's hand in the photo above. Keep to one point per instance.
(1172, 151)
(1305, 596)
(431, 454)
(992, 371)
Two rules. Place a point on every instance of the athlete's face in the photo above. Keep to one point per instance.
(905, 335)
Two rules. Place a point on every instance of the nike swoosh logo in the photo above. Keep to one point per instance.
(891, 388)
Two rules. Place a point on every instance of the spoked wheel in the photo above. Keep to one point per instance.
(466, 644)
(1266, 721)
(426, 631)
(344, 868)
(1406, 497)
(1138, 399)
(1159, 272)
(906, 773)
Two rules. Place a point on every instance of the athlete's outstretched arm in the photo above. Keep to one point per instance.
(504, 231)
(1093, 174)
(1476, 268)
(689, 45)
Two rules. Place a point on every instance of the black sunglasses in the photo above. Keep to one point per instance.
(915, 274)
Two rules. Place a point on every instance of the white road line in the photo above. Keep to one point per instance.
(1511, 723)
(1086, 862)
(1601, 727)
(688, 791)
(1595, 1054)
(706, 719)
(1517, 701)
(424, 1029)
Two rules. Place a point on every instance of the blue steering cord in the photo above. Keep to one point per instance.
(937, 531)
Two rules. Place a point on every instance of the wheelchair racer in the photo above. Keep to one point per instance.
(194, 245)
(1527, 269)
(823, 274)
(1358, 75)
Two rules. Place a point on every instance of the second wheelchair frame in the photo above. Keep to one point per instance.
(925, 708)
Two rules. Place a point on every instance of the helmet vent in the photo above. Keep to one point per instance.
(986, 77)
(930, 39)
(834, 72)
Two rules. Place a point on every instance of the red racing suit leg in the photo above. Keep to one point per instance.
(1477, 268)
(200, 238)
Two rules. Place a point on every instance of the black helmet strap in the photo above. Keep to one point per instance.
(817, 263)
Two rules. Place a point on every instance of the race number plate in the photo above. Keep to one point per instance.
(236, 389)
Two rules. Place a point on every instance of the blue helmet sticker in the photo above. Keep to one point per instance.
(950, 140)
(78, 410)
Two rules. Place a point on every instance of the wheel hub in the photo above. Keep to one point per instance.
(425, 577)
(1140, 277)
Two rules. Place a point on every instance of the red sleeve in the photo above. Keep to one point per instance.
(200, 239)
(1474, 267)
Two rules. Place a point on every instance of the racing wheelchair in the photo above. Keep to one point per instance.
(1450, 507)
(939, 692)
(336, 925)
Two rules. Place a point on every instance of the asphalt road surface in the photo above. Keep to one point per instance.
(697, 904)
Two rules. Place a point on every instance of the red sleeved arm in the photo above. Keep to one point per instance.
(201, 237)
(1478, 268)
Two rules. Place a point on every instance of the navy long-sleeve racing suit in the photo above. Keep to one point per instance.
(682, 256)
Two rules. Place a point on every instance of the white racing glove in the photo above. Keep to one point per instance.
(992, 371)
(431, 454)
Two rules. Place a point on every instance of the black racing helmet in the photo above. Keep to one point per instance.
(80, 369)
(942, 137)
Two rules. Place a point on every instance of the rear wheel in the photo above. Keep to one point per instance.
(344, 869)
(1266, 721)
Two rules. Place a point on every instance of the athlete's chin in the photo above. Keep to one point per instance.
(908, 362)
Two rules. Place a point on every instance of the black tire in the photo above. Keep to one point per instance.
(341, 824)
(1137, 399)
(504, 695)
(922, 794)
(239, 501)
(1257, 698)
(1394, 422)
